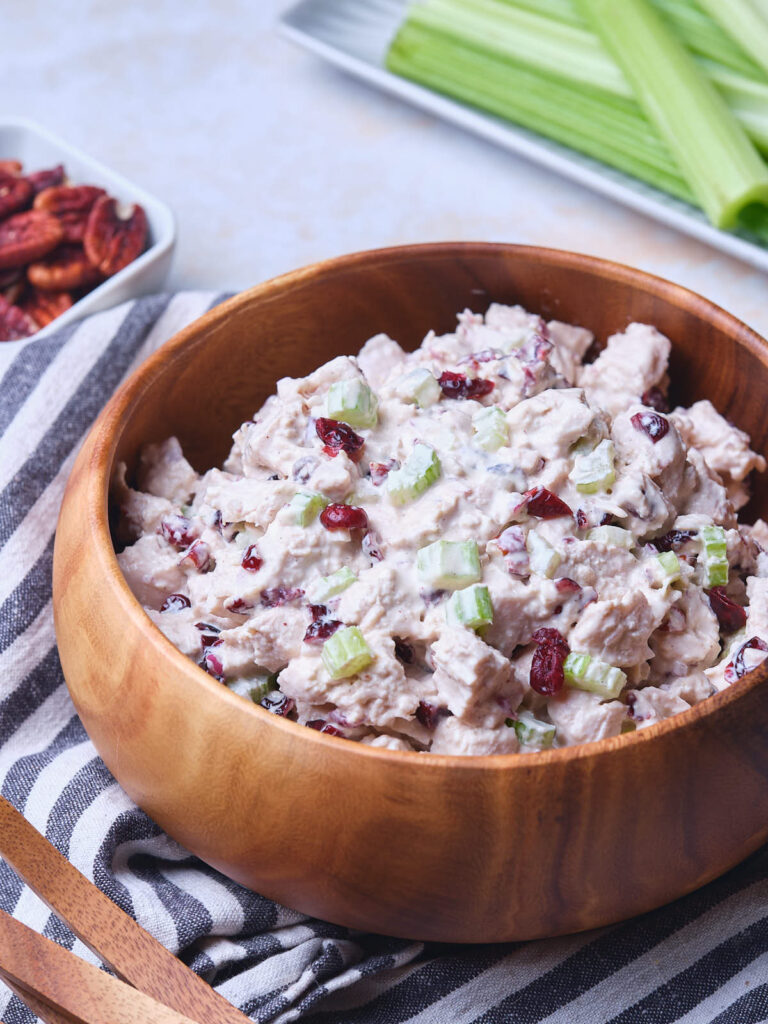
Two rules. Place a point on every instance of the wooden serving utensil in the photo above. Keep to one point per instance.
(116, 938)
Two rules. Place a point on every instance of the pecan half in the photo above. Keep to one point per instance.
(111, 240)
(70, 205)
(43, 307)
(15, 193)
(28, 236)
(14, 323)
(10, 167)
(64, 270)
(40, 180)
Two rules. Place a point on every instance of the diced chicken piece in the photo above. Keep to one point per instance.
(704, 492)
(571, 345)
(581, 717)
(692, 645)
(759, 533)
(474, 680)
(245, 499)
(693, 688)
(179, 628)
(377, 696)
(544, 427)
(380, 359)
(651, 704)
(269, 640)
(757, 613)
(725, 448)
(164, 472)
(384, 597)
(615, 630)
(277, 438)
(140, 513)
(151, 569)
(630, 364)
(519, 608)
(454, 736)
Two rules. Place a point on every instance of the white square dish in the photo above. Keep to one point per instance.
(38, 149)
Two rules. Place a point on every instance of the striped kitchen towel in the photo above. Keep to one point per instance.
(701, 960)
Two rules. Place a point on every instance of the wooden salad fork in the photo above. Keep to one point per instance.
(58, 986)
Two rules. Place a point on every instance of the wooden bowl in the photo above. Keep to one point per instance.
(475, 849)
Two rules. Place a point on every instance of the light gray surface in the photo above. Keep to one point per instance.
(271, 160)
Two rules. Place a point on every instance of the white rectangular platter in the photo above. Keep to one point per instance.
(355, 36)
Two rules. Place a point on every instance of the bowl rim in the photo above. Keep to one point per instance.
(111, 422)
(162, 223)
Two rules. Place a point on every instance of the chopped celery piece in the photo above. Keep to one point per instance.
(490, 428)
(715, 556)
(612, 537)
(419, 471)
(670, 564)
(346, 653)
(419, 386)
(251, 689)
(449, 564)
(307, 506)
(717, 159)
(531, 732)
(544, 559)
(353, 402)
(471, 606)
(583, 672)
(744, 23)
(328, 586)
(593, 471)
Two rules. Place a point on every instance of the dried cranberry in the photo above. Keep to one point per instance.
(565, 585)
(238, 606)
(736, 668)
(652, 424)
(511, 540)
(381, 470)
(673, 539)
(251, 560)
(458, 385)
(198, 555)
(178, 531)
(322, 625)
(206, 627)
(212, 665)
(403, 651)
(326, 727)
(544, 504)
(607, 519)
(730, 615)
(210, 640)
(175, 603)
(548, 637)
(430, 714)
(547, 673)
(338, 437)
(344, 517)
(278, 703)
(581, 519)
(275, 596)
(656, 399)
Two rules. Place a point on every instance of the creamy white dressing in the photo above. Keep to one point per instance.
(616, 563)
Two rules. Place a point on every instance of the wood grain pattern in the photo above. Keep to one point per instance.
(134, 954)
(429, 847)
(44, 973)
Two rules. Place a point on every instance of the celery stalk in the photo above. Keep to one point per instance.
(744, 23)
(717, 159)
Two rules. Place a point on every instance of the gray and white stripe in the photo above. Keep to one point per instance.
(702, 960)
